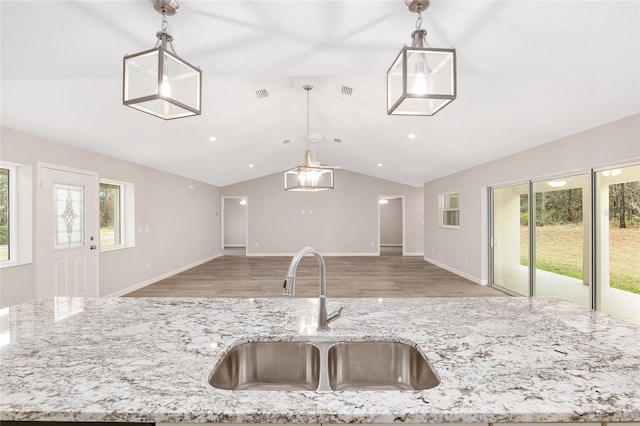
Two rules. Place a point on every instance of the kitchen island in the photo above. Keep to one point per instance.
(148, 360)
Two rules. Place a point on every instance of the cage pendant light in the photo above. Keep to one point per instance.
(422, 79)
(157, 81)
(309, 175)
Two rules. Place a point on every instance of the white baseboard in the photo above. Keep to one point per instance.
(330, 254)
(160, 277)
(455, 271)
(324, 254)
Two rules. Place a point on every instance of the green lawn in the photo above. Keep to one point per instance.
(560, 250)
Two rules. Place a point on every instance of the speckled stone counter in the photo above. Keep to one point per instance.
(148, 360)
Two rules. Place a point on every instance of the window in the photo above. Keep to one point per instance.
(116, 215)
(450, 212)
(5, 206)
(109, 215)
(16, 227)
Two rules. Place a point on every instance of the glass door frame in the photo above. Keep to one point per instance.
(491, 241)
(532, 231)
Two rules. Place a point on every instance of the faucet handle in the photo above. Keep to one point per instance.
(334, 315)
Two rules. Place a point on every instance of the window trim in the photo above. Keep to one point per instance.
(444, 210)
(13, 246)
(20, 215)
(127, 215)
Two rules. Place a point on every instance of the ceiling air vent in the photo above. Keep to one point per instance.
(262, 93)
(347, 90)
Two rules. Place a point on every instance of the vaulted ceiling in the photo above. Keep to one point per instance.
(529, 72)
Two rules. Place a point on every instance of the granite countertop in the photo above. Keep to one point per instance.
(148, 360)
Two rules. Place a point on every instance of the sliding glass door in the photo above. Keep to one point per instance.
(574, 237)
(618, 235)
(562, 239)
(510, 239)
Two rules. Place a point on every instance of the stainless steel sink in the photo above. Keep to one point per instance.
(324, 366)
(269, 366)
(378, 366)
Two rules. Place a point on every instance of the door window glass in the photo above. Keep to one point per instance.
(510, 238)
(562, 239)
(69, 216)
(618, 237)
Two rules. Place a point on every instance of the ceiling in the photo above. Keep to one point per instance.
(529, 72)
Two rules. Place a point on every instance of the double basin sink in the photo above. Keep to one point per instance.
(324, 366)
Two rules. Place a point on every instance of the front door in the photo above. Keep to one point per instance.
(67, 233)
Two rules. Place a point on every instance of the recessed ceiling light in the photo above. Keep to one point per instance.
(212, 139)
(411, 136)
(379, 164)
(557, 183)
(250, 165)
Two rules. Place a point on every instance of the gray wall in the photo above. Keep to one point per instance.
(235, 227)
(464, 251)
(176, 227)
(339, 221)
(391, 222)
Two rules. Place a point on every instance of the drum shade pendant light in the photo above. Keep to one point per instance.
(157, 81)
(310, 175)
(422, 79)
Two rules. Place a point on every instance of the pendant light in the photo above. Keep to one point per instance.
(422, 79)
(310, 175)
(157, 81)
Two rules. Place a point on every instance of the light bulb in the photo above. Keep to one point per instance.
(309, 177)
(420, 85)
(314, 176)
(165, 87)
(421, 79)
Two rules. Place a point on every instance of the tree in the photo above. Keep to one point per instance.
(624, 204)
(106, 206)
(623, 224)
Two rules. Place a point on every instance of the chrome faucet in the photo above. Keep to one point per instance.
(290, 286)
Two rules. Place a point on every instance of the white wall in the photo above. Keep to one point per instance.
(464, 251)
(339, 221)
(176, 226)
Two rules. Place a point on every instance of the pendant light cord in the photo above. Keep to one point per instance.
(419, 20)
(308, 88)
(164, 38)
(165, 24)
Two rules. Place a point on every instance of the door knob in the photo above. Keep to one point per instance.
(92, 247)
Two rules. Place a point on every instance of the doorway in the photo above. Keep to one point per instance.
(541, 237)
(234, 225)
(391, 225)
(573, 237)
(67, 219)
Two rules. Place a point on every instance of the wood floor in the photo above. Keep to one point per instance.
(362, 276)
